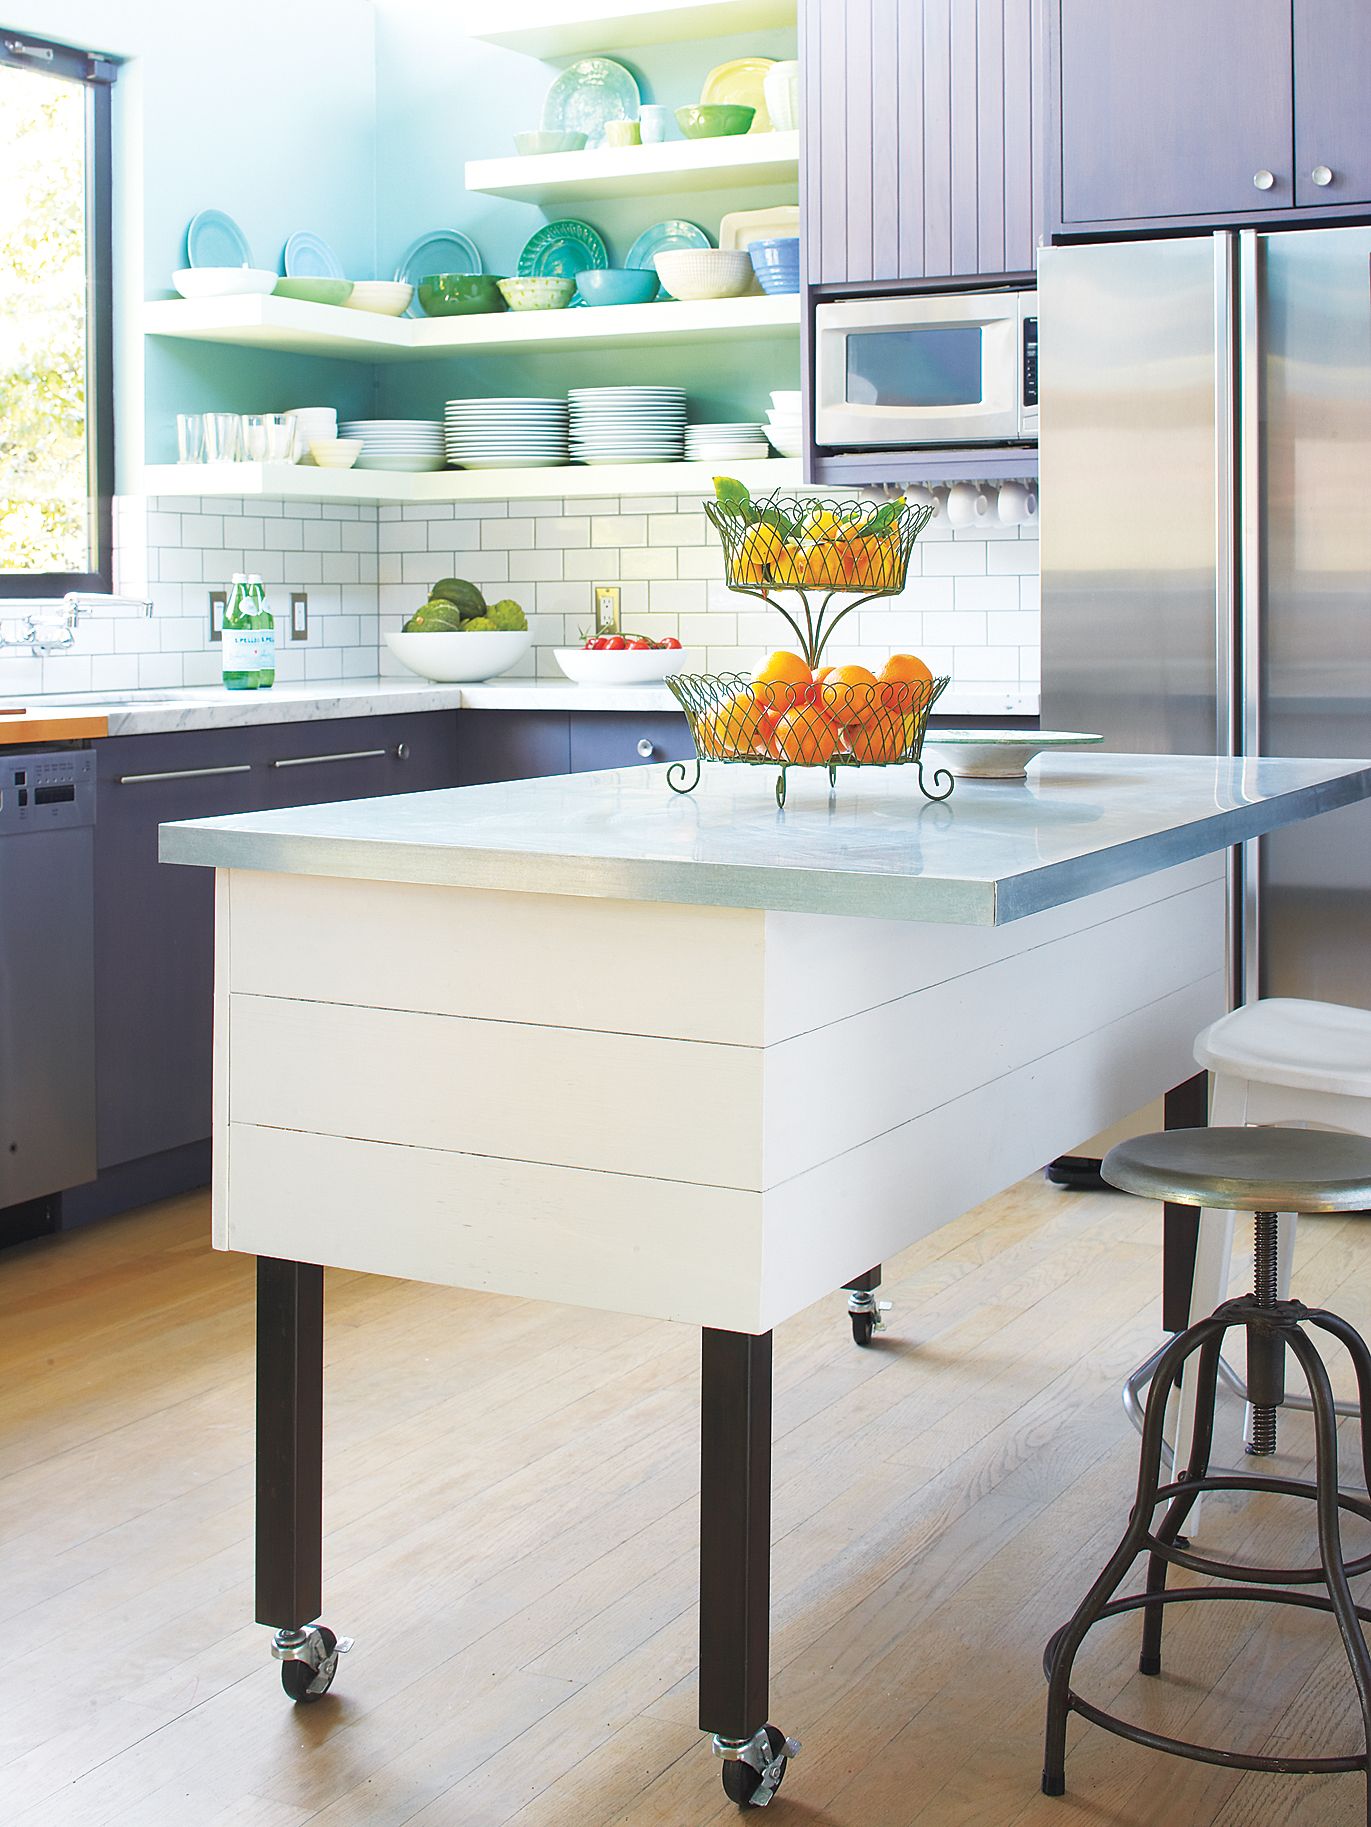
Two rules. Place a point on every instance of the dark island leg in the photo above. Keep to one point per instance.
(290, 1473)
(735, 1563)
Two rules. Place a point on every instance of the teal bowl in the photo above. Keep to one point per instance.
(315, 291)
(460, 294)
(617, 285)
(714, 120)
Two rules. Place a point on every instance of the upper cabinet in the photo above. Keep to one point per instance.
(917, 150)
(1222, 112)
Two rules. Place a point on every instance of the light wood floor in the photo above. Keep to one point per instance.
(511, 1533)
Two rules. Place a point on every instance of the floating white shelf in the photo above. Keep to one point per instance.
(331, 330)
(616, 171)
(567, 28)
(294, 482)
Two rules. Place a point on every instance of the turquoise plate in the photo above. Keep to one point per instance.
(563, 249)
(445, 250)
(663, 238)
(214, 239)
(588, 93)
(309, 257)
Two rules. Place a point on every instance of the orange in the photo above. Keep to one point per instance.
(905, 666)
(873, 561)
(805, 734)
(899, 681)
(822, 565)
(781, 681)
(740, 726)
(884, 739)
(761, 547)
(849, 694)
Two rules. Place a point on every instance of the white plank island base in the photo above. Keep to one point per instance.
(687, 1057)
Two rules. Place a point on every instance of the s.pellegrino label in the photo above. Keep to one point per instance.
(264, 627)
(239, 640)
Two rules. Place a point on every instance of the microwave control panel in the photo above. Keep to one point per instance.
(1030, 361)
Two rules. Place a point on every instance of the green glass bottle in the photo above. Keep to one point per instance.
(239, 639)
(264, 625)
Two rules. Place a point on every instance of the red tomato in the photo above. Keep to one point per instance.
(596, 644)
(639, 644)
(671, 642)
(614, 643)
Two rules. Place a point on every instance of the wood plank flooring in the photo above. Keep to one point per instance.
(511, 1539)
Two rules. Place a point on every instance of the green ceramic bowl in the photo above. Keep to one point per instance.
(460, 294)
(314, 291)
(713, 120)
(537, 292)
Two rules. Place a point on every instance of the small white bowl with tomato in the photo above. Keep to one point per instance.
(622, 659)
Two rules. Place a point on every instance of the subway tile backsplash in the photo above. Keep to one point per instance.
(970, 606)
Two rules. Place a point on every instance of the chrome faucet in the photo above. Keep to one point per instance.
(48, 625)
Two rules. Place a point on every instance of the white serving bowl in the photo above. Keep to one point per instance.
(459, 659)
(691, 273)
(335, 453)
(999, 754)
(648, 666)
(223, 281)
(385, 297)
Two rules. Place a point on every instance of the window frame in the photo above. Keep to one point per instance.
(21, 51)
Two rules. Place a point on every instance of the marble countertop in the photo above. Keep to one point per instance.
(203, 707)
(994, 852)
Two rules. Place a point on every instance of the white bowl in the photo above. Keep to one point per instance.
(1000, 754)
(648, 666)
(335, 453)
(386, 297)
(705, 272)
(786, 399)
(459, 659)
(223, 281)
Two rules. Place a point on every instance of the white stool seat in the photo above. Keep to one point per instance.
(1310, 1046)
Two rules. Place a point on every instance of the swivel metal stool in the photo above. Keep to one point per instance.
(1264, 1171)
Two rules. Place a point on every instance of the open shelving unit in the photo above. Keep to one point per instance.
(571, 28)
(619, 171)
(290, 325)
(388, 488)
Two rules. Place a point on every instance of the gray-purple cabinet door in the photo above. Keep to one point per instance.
(1332, 97)
(1174, 108)
(918, 145)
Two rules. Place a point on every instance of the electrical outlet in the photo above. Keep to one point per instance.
(218, 602)
(606, 608)
(299, 615)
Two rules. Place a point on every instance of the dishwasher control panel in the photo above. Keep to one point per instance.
(46, 789)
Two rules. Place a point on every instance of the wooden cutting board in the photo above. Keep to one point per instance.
(56, 725)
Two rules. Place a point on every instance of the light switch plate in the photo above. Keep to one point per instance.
(606, 608)
(218, 602)
(299, 615)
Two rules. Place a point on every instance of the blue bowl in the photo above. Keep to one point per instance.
(617, 285)
(776, 262)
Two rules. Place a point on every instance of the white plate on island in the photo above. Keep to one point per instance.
(1000, 754)
(645, 666)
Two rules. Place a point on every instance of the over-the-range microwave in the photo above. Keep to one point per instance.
(929, 368)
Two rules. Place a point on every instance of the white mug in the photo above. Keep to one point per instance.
(655, 121)
(1017, 503)
(967, 504)
(781, 89)
(922, 497)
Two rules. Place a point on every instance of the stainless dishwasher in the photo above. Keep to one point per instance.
(47, 972)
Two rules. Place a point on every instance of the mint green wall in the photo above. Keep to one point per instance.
(443, 98)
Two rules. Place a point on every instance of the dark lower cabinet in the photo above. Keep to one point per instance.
(613, 739)
(512, 745)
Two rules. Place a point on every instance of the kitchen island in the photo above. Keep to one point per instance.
(692, 1057)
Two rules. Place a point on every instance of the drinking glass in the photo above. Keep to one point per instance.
(269, 437)
(223, 437)
(190, 437)
(655, 121)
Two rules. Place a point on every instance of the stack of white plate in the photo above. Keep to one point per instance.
(397, 444)
(783, 422)
(742, 441)
(627, 424)
(506, 433)
(311, 422)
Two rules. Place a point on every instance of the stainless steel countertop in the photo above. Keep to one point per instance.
(994, 852)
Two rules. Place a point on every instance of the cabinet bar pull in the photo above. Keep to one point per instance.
(309, 761)
(133, 780)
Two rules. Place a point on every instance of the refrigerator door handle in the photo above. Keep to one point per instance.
(1252, 546)
(1227, 670)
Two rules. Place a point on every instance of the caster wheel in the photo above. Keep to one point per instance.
(863, 1327)
(305, 1683)
(742, 1782)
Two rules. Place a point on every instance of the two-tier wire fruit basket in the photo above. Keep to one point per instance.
(814, 561)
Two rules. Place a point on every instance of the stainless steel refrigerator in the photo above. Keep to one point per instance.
(1205, 521)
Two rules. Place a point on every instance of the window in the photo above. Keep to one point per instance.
(56, 334)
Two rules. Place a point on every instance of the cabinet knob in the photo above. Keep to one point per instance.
(402, 751)
(1322, 174)
(645, 748)
(1263, 179)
